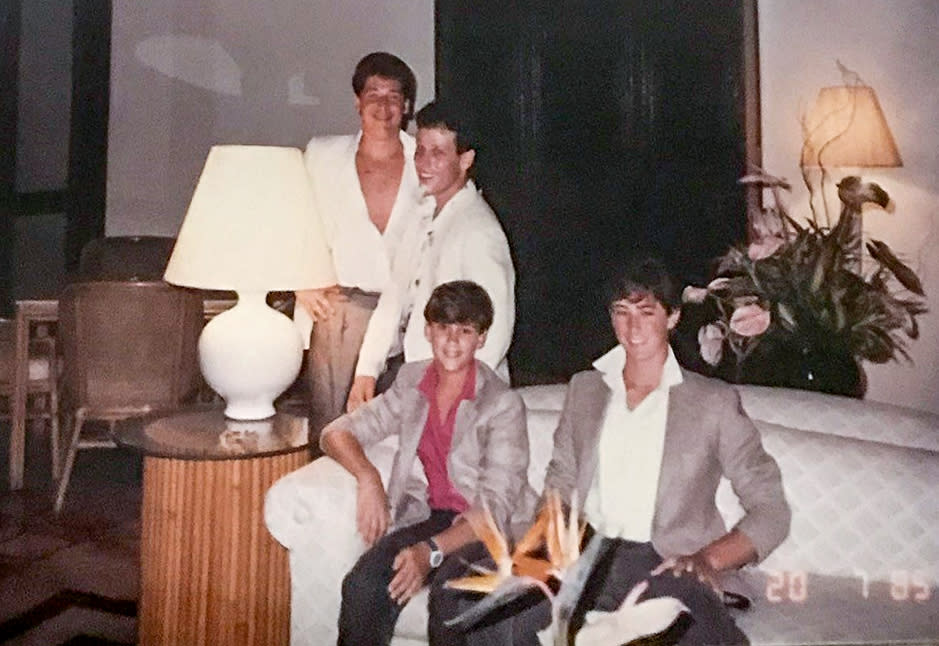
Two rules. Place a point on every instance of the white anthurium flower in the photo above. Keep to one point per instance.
(711, 343)
(632, 620)
(692, 294)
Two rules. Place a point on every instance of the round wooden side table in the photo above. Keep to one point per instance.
(210, 571)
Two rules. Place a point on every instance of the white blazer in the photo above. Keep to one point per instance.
(466, 243)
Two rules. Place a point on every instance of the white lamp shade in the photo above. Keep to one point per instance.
(251, 228)
(846, 127)
(251, 225)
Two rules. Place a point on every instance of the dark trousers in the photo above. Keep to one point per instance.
(367, 615)
(624, 564)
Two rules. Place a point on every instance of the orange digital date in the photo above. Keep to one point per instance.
(793, 587)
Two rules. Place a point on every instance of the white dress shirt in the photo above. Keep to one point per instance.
(464, 242)
(362, 255)
(621, 500)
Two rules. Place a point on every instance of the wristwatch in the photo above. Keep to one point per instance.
(436, 556)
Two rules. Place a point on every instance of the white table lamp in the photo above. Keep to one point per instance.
(251, 228)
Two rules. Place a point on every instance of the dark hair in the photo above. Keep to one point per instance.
(460, 301)
(448, 116)
(642, 277)
(391, 67)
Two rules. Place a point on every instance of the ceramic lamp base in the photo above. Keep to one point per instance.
(249, 355)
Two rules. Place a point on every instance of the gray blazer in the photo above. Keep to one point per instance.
(488, 459)
(707, 435)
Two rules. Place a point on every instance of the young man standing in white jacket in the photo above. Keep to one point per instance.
(456, 237)
(366, 195)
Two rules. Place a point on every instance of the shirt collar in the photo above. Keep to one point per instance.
(430, 381)
(402, 137)
(611, 366)
(428, 204)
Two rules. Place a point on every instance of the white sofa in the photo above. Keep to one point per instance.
(861, 562)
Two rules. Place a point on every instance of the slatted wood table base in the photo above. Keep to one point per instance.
(210, 572)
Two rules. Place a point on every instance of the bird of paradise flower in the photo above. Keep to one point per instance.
(521, 570)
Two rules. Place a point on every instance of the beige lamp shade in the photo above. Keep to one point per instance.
(251, 225)
(846, 127)
(251, 228)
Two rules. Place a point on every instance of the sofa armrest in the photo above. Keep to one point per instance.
(305, 500)
(311, 512)
(319, 497)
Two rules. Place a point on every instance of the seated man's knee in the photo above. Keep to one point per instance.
(361, 583)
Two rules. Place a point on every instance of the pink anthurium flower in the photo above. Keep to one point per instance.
(749, 320)
(764, 247)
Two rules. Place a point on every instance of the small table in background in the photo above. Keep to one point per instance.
(210, 572)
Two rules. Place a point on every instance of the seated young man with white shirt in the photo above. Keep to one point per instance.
(641, 446)
(467, 429)
(456, 237)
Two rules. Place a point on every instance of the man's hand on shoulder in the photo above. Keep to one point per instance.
(363, 390)
(316, 302)
(372, 516)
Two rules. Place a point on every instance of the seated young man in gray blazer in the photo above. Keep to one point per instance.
(466, 428)
(642, 445)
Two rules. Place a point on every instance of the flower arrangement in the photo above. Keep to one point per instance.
(797, 286)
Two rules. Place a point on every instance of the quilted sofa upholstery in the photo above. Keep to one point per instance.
(861, 562)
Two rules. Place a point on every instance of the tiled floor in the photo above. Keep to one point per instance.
(91, 547)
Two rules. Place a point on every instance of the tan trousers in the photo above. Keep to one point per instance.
(334, 350)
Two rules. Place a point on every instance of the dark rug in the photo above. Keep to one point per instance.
(64, 600)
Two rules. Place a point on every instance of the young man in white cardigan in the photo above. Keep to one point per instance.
(456, 237)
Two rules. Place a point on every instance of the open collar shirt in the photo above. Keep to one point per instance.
(621, 500)
(434, 446)
(362, 255)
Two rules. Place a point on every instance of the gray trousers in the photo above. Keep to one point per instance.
(334, 351)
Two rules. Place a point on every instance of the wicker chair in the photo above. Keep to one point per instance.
(42, 386)
(128, 348)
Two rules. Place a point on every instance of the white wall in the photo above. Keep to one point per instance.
(187, 74)
(893, 45)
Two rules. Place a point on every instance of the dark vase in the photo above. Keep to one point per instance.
(806, 366)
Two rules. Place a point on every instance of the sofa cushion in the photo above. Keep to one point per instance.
(855, 504)
(834, 415)
(412, 622)
(541, 425)
(543, 397)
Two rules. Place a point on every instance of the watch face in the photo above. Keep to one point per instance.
(436, 556)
